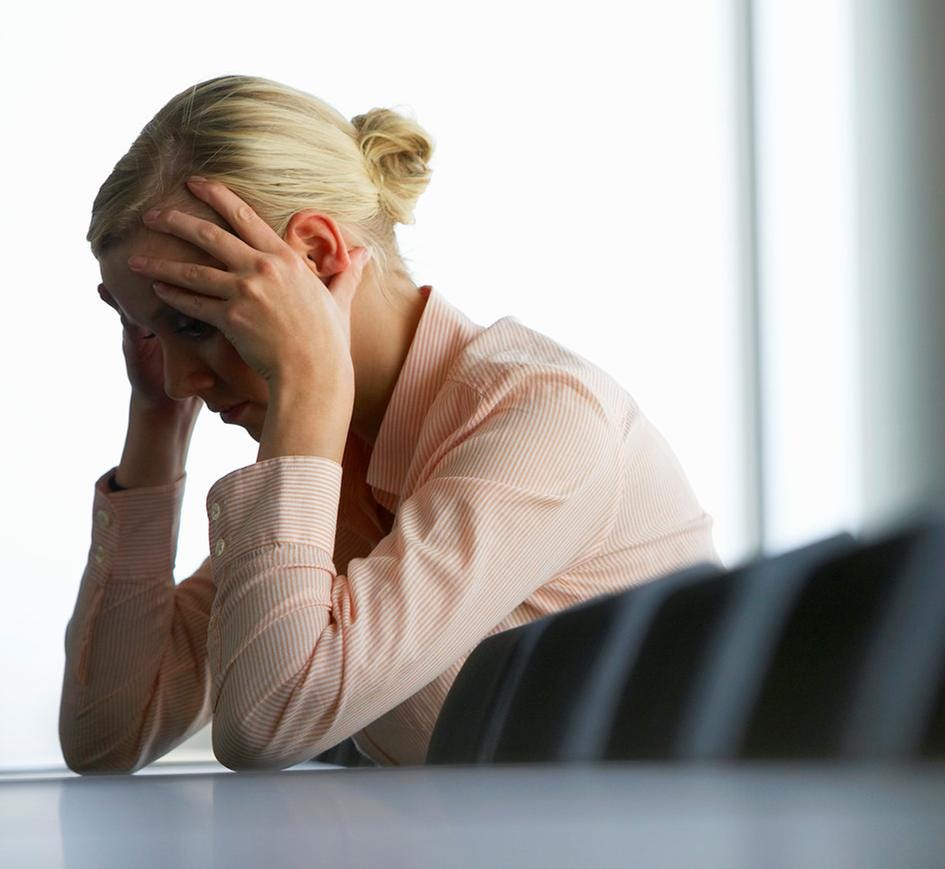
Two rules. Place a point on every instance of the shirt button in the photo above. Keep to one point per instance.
(215, 510)
(221, 545)
(99, 553)
(103, 519)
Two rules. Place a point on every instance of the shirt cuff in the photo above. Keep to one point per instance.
(137, 527)
(283, 500)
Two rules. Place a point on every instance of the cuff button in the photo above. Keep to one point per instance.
(103, 519)
(215, 510)
(221, 545)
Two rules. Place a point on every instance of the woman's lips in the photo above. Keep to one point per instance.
(234, 412)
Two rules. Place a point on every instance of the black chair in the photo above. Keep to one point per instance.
(731, 671)
(652, 699)
(488, 715)
(897, 707)
(835, 650)
(819, 646)
(616, 679)
(568, 696)
(475, 709)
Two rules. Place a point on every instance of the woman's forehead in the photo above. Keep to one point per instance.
(133, 291)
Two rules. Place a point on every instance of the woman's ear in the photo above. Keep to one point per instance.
(316, 238)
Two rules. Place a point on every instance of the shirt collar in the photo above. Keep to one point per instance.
(443, 331)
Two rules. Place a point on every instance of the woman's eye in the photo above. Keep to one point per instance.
(194, 329)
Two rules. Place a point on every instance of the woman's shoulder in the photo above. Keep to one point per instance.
(509, 358)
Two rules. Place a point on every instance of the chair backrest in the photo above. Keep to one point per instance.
(735, 662)
(897, 707)
(475, 708)
(801, 708)
(569, 696)
(654, 695)
(833, 650)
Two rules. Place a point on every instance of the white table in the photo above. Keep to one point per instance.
(622, 815)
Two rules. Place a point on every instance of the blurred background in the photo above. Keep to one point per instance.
(733, 206)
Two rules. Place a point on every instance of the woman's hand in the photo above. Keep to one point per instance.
(144, 363)
(281, 319)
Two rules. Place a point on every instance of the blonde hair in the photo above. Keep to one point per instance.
(279, 149)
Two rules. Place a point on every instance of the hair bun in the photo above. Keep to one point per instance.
(396, 151)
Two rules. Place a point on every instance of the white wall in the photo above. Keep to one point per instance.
(584, 182)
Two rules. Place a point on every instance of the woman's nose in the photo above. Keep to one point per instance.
(185, 376)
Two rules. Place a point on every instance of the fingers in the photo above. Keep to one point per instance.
(248, 225)
(223, 246)
(191, 276)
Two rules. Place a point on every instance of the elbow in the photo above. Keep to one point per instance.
(244, 749)
(95, 757)
(82, 768)
(89, 762)
(236, 745)
(244, 752)
(234, 751)
(245, 743)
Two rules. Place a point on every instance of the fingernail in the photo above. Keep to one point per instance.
(197, 179)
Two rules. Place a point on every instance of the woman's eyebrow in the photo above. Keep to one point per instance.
(162, 313)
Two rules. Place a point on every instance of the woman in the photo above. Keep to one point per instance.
(422, 482)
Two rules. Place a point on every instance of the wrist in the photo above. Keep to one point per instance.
(306, 418)
(156, 444)
(331, 394)
(169, 410)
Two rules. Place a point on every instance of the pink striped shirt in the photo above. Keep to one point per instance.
(511, 478)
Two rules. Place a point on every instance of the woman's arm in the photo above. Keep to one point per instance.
(302, 657)
(136, 682)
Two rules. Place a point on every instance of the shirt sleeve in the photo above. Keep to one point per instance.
(136, 681)
(303, 657)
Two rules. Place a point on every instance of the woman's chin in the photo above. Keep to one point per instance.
(249, 426)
